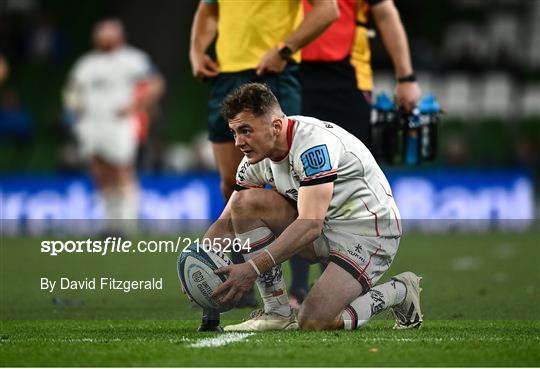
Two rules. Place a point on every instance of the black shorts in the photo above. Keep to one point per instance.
(285, 86)
(330, 93)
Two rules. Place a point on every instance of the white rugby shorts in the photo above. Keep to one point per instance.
(114, 141)
(365, 258)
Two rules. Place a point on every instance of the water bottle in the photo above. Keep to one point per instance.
(430, 115)
(400, 137)
(382, 129)
(413, 130)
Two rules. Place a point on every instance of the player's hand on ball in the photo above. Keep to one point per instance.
(240, 280)
(407, 95)
(271, 62)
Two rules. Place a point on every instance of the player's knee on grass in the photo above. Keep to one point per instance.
(314, 317)
(307, 324)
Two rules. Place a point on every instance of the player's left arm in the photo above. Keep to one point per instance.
(388, 21)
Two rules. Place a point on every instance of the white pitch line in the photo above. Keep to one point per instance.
(221, 340)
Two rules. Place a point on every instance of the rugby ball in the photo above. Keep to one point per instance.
(196, 267)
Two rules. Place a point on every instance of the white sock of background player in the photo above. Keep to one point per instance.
(121, 209)
(129, 206)
(271, 284)
(112, 202)
(129, 209)
(112, 205)
(377, 299)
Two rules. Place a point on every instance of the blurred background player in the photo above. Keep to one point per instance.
(108, 91)
(336, 79)
(256, 41)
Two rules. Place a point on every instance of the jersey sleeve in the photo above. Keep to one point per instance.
(317, 162)
(141, 65)
(249, 176)
(78, 70)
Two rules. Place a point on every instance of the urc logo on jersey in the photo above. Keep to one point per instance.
(316, 160)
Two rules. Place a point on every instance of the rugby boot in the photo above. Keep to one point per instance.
(408, 313)
(261, 321)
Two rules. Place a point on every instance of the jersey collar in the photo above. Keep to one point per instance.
(290, 127)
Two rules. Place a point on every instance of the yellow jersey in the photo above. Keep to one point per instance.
(247, 29)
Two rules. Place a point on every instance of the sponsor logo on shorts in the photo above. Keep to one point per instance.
(356, 253)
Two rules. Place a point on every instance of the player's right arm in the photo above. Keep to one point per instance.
(203, 33)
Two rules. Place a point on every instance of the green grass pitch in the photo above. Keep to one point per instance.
(481, 300)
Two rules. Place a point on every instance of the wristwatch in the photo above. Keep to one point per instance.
(408, 78)
(285, 52)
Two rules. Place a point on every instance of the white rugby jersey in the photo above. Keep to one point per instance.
(105, 81)
(320, 152)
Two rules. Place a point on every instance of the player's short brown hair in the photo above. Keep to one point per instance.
(257, 98)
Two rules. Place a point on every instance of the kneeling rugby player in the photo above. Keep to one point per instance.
(329, 199)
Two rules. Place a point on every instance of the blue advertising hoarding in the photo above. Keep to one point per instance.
(420, 195)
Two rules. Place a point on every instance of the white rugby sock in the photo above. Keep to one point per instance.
(112, 203)
(129, 210)
(121, 209)
(129, 206)
(271, 284)
(377, 299)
